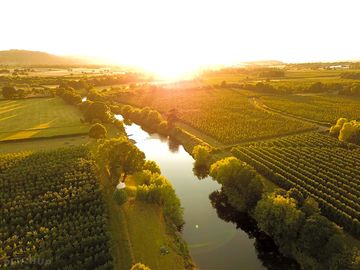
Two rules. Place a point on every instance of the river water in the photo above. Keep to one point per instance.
(219, 238)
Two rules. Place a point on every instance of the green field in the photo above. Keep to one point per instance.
(224, 114)
(38, 117)
(316, 164)
(324, 108)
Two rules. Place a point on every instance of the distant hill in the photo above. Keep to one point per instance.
(33, 58)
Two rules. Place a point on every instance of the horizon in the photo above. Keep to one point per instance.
(183, 36)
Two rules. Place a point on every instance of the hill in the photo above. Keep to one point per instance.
(31, 58)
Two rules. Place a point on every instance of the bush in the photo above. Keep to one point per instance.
(120, 196)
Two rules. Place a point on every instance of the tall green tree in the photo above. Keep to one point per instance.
(240, 182)
(280, 218)
(122, 157)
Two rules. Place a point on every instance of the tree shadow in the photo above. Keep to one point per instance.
(267, 251)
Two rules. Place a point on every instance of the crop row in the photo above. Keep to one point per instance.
(52, 213)
(329, 174)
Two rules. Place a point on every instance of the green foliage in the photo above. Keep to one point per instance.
(346, 131)
(97, 110)
(223, 114)
(157, 189)
(52, 209)
(240, 182)
(9, 92)
(97, 131)
(279, 217)
(139, 266)
(310, 207)
(316, 165)
(151, 166)
(120, 196)
(322, 108)
(316, 238)
(202, 156)
(69, 95)
(121, 156)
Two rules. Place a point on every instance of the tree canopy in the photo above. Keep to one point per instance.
(97, 131)
(122, 157)
(240, 182)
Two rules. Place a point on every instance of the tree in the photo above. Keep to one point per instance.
(151, 166)
(97, 131)
(296, 195)
(316, 237)
(310, 207)
(139, 266)
(98, 110)
(240, 182)
(202, 156)
(122, 157)
(280, 218)
(172, 116)
(9, 92)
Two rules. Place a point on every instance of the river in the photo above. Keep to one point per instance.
(218, 236)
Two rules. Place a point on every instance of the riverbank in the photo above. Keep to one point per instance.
(307, 262)
(138, 231)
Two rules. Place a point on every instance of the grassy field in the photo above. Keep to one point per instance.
(138, 230)
(324, 108)
(38, 117)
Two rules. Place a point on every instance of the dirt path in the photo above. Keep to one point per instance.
(258, 104)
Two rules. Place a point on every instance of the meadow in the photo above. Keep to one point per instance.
(38, 117)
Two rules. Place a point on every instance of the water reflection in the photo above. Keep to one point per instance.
(174, 146)
(266, 249)
(201, 172)
(214, 242)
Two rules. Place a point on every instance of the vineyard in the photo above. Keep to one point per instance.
(323, 108)
(317, 165)
(222, 114)
(52, 213)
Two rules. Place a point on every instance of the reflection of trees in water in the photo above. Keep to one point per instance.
(173, 145)
(201, 171)
(265, 247)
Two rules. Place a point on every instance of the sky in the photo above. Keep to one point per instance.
(166, 34)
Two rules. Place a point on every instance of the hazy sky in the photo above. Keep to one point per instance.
(155, 33)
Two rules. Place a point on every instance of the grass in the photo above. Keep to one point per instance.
(38, 117)
(42, 144)
(138, 230)
(147, 233)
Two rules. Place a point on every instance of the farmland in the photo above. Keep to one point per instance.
(40, 117)
(223, 114)
(323, 108)
(317, 165)
(52, 213)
